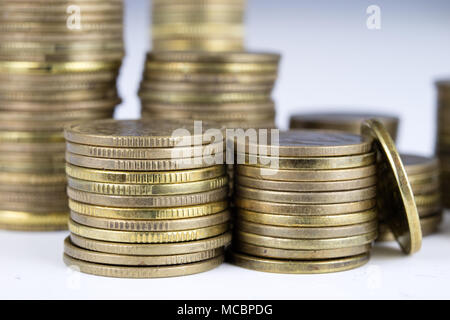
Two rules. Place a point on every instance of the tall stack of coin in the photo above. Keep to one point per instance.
(233, 89)
(145, 201)
(443, 143)
(314, 209)
(59, 60)
(423, 174)
(342, 121)
(198, 25)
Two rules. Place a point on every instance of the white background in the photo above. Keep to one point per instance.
(330, 61)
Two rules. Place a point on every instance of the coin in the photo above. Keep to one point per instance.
(398, 199)
(298, 267)
(25, 205)
(147, 189)
(32, 179)
(214, 57)
(149, 225)
(136, 133)
(152, 249)
(306, 186)
(287, 254)
(420, 189)
(54, 67)
(417, 164)
(308, 221)
(207, 98)
(210, 44)
(306, 175)
(58, 106)
(30, 221)
(205, 87)
(145, 177)
(148, 201)
(292, 232)
(143, 272)
(37, 148)
(300, 210)
(429, 226)
(23, 136)
(342, 162)
(29, 188)
(33, 197)
(307, 197)
(146, 236)
(114, 259)
(204, 77)
(305, 244)
(427, 200)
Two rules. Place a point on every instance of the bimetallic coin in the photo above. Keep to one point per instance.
(149, 225)
(308, 221)
(396, 193)
(127, 260)
(30, 221)
(133, 249)
(146, 236)
(143, 272)
(168, 213)
(298, 267)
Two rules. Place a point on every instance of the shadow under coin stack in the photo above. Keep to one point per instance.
(443, 142)
(51, 73)
(423, 174)
(198, 25)
(316, 213)
(342, 121)
(141, 205)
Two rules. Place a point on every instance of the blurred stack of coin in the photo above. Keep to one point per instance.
(54, 69)
(443, 142)
(342, 121)
(313, 211)
(233, 89)
(145, 200)
(424, 176)
(198, 25)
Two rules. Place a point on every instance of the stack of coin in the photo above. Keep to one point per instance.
(233, 89)
(443, 143)
(423, 174)
(59, 60)
(198, 25)
(145, 201)
(343, 121)
(314, 210)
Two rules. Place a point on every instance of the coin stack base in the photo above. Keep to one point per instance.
(139, 209)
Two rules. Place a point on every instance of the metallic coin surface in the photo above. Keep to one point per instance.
(417, 164)
(30, 221)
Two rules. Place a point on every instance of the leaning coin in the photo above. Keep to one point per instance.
(148, 213)
(307, 221)
(30, 221)
(306, 186)
(307, 197)
(273, 253)
(143, 272)
(307, 210)
(148, 201)
(305, 244)
(127, 260)
(146, 237)
(132, 249)
(306, 232)
(298, 267)
(148, 225)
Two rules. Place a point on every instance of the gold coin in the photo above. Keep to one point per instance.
(163, 177)
(213, 57)
(204, 77)
(30, 221)
(104, 104)
(396, 193)
(422, 189)
(306, 186)
(23, 136)
(36, 148)
(306, 232)
(429, 226)
(264, 106)
(137, 133)
(307, 210)
(26, 26)
(29, 188)
(148, 213)
(45, 37)
(210, 44)
(424, 179)
(428, 199)
(74, 95)
(148, 201)
(307, 197)
(309, 143)
(56, 67)
(207, 98)
(31, 179)
(209, 66)
(48, 18)
(24, 205)
(210, 116)
(58, 7)
(205, 87)
(147, 189)
(33, 197)
(418, 165)
(162, 31)
(127, 260)
(154, 226)
(286, 254)
(306, 175)
(32, 167)
(342, 162)
(143, 272)
(298, 267)
(132, 249)
(146, 237)
(305, 244)
(307, 221)
(39, 158)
